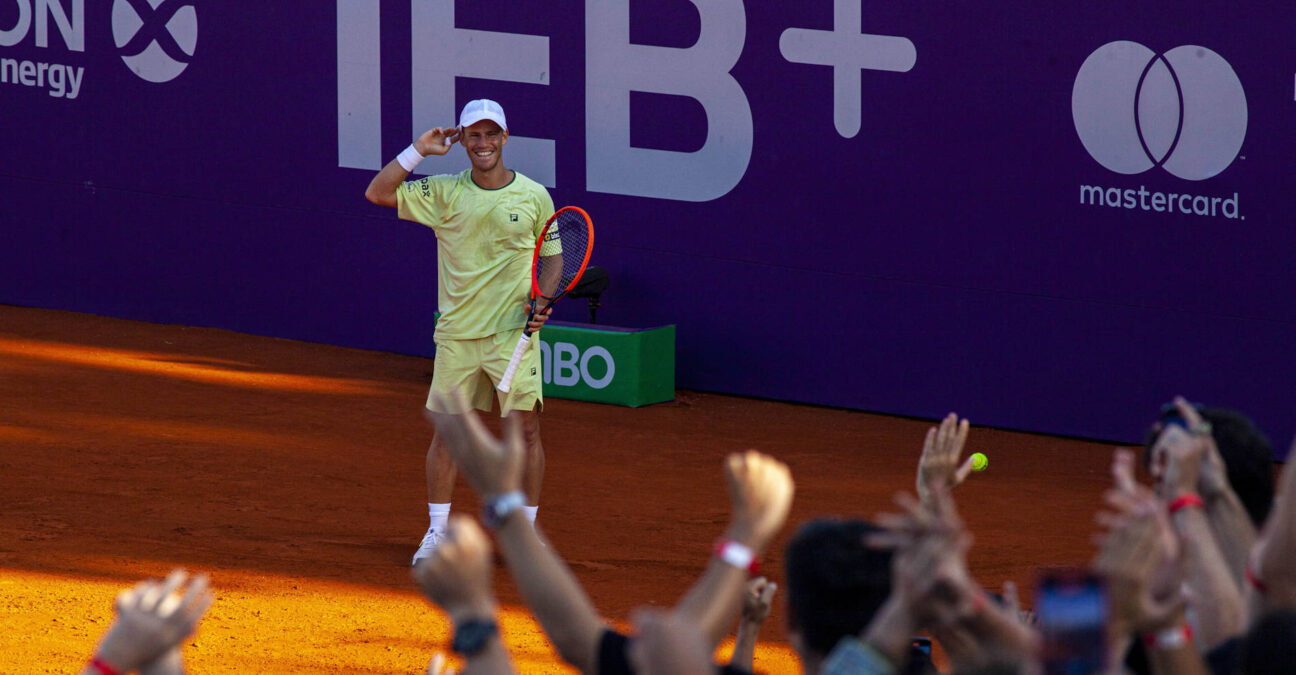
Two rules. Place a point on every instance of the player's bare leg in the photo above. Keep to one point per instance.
(440, 470)
(534, 465)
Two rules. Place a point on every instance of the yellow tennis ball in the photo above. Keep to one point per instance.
(979, 461)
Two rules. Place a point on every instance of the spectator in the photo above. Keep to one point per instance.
(457, 577)
(1241, 449)
(1267, 648)
(153, 618)
(1132, 551)
(1235, 479)
(760, 490)
(1183, 458)
(1271, 575)
(836, 585)
(757, 600)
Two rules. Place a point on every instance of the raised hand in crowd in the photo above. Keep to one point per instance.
(760, 492)
(939, 466)
(1272, 571)
(1229, 520)
(153, 618)
(170, 663)
(760, 489)
(457, 577)
(1012, 604)
(933, 577)
(1167, 555)
(667, 643)
(1132, 551)
(438, 666)
(493, 467)
(1217, 609)
(922, 545)
(757, 600)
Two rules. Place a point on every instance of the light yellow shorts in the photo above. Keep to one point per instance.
(475, 366)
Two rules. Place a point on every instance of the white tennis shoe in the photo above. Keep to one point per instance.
(431, 540)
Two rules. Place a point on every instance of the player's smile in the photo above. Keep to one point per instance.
(483, 141)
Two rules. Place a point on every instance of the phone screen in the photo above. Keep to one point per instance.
(1071, 608)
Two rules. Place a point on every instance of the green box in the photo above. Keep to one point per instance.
(606, 364)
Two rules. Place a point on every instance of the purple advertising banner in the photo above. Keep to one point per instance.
(1046, 216)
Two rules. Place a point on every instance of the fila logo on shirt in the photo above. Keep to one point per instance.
(513, 217)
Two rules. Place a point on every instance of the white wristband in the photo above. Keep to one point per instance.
(409, 158)
(1170, 638)
(737, 555)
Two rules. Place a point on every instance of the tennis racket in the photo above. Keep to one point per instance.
(560, 257)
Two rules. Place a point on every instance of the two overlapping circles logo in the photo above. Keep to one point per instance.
(1183, 110)
(156, 38)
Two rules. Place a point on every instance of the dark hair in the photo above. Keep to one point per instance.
(1267, 646)
(835, 583)
(1248, 458)
(993, 667)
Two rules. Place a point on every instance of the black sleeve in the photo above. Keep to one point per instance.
(613, 655)
(614, 659)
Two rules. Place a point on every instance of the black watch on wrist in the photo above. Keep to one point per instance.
(471, 636)
(498, 507)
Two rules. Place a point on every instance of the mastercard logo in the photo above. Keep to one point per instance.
(1184, 111)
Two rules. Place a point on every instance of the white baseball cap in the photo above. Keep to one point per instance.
(482, 109)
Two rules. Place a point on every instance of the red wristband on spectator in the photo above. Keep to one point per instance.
(737, 555)
(1186, 501)
(1255, 581)
(104, 668)
(1170, 638)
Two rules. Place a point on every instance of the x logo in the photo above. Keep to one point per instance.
(155, 28)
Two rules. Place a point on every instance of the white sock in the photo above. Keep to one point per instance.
(531, 512)
(439, 515)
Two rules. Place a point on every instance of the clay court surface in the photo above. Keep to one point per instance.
(292, 473)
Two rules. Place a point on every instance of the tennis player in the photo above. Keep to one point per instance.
(486, 219)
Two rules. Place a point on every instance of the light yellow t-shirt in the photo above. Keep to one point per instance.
(485, 241)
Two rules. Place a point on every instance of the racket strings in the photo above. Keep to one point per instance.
(564, 251)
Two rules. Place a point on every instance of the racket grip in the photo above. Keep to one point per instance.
(506, 382)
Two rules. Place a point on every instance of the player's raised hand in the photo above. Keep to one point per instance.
(152, 619)
(457, 576)
(760, 489)
(492, 465)
(939, 467)
(436, 141)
